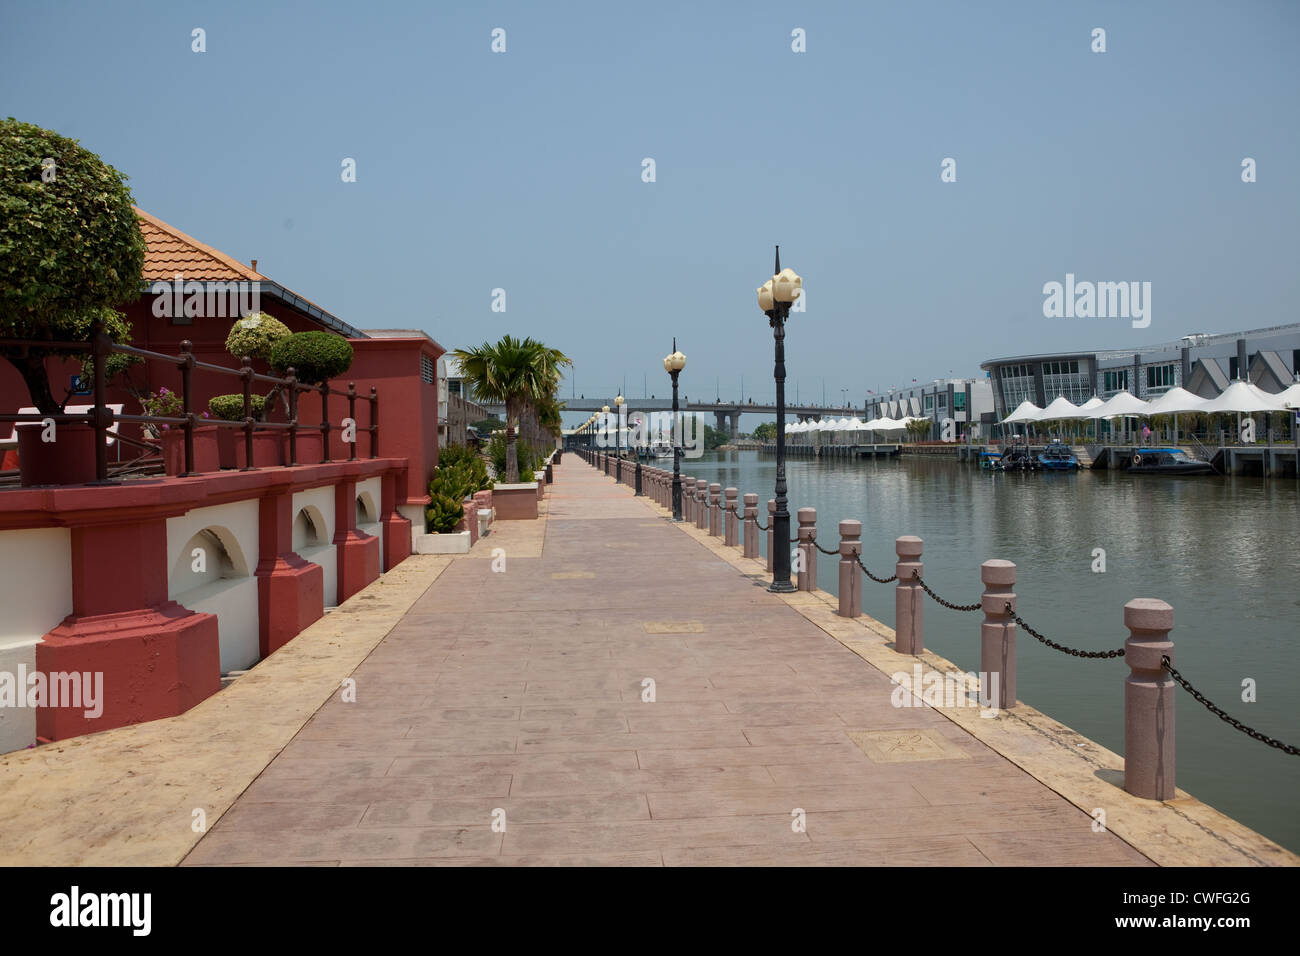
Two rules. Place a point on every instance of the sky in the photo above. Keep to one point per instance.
(524, 170)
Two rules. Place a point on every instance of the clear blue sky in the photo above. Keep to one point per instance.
(522, 170)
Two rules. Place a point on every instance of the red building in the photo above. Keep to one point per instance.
(162, 584)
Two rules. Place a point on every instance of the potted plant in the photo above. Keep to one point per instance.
(72, 250)
(268, 444)
(315, 357)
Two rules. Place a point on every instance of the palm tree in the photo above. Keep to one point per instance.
(519, 373)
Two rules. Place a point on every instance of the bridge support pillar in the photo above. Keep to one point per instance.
(733, 427)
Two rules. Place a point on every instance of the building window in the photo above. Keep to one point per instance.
(1160, 378)
(1115, 380)
(427, 369)
(1232, 368)
(1064, 378)
(1017, 386)
(929, 402)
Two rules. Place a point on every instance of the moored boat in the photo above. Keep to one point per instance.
(1168, 461)
(1057, 456)
(991, 460)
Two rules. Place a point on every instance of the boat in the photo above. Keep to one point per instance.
(1168, 461)
(1057, 456)
(991, 460)
(661, 449)
(1017, 458)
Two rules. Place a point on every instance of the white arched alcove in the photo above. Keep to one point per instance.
(313, 535)
(369, 497)
(211, 556)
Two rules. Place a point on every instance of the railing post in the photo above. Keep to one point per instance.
(751, 525)
(850, 576)
(998, 636)
(807, 534)
(291, 383)
(909, 599)
(688, 498)
(187, 394)
(715, 509)
(1149, 700)
(325, 421)
(771, 535)
(731, 537)
(701, 504)
(352, 414)
(99, 342)
(246, 370)
(374, 422)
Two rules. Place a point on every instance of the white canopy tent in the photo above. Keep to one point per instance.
(1290, 396)
(1243, 397)
(1175, 401)
(1026, 411)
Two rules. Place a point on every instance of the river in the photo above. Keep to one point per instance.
(1222, 551)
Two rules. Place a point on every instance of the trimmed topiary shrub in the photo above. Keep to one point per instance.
(230, 408)
(315, 357)
(442, 515)
(255, 335)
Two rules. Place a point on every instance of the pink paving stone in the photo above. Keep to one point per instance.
(521, 691)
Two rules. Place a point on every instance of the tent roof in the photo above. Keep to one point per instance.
(1026, 411)
(1243, 397)
(1176, 400)
(1060, 407)
(1121, 403)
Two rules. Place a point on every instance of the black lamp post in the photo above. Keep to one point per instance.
(673, 365)
(775, 297)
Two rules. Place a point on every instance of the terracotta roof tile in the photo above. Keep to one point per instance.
(171, 251)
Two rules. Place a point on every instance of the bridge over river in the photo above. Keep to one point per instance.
(727, 414)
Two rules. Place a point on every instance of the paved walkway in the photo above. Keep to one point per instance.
(522, 692)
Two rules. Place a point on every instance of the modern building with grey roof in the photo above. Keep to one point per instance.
(1204, 364)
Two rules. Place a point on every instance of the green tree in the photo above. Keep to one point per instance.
(765, 432)
(516, 372)
(70, 249)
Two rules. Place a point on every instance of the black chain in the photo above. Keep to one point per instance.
(891, 578)
(1218, 712)
(916, 576)
(834, 553)
(1074, 652)
(762, 527)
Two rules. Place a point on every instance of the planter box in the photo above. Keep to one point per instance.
(68, 460)
(270, 448)
(516, 502)
(207, 455)
(311, 445)
(484, 521)
(453, 542)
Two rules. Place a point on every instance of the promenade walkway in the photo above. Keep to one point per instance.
(520, 695)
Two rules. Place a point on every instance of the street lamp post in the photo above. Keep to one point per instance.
(673, 365)
(775, 297)
(604, 410)
(618, 438)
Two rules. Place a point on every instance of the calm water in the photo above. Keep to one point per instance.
(1222, 551)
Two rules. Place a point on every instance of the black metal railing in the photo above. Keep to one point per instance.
(101, 417)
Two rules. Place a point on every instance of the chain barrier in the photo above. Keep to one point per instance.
(916, 576)
(1218, 712)
(888, 580)
(1073, 652)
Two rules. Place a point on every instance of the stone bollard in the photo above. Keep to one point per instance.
(751, 526)
(909, 599)
(850, 575)
(715, 510)
(730, 505)
(998, 636)
(701, 504)
(807, 550)
(1149, 700)
(688, 498)
(771, 535)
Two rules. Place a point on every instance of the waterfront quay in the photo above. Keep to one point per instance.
(600, 686)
